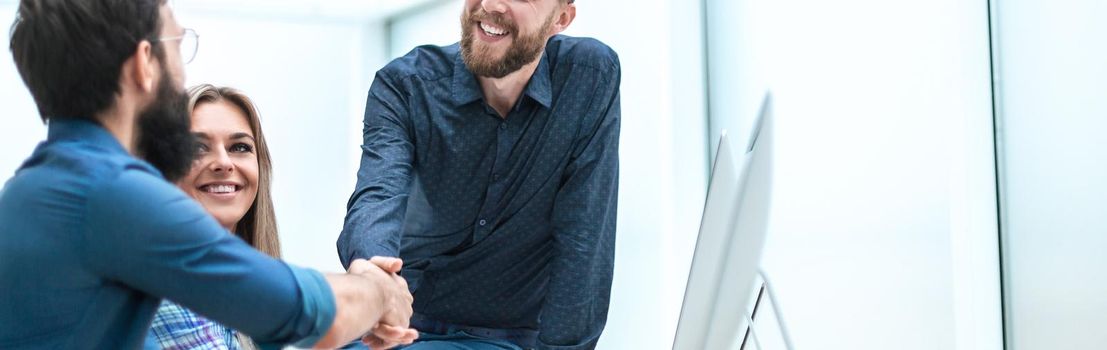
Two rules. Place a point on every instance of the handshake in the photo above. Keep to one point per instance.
(371, 302)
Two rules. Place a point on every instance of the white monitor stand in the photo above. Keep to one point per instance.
(723, 278)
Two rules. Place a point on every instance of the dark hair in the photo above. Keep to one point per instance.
(70, 53)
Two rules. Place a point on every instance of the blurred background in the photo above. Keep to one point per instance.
(939, 164)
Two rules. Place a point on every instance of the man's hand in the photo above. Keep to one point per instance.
(364, 296)
(392, 330)
(397, 302)
(390, 265)
(386, 337)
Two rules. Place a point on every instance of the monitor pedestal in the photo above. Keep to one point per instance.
(767, 287)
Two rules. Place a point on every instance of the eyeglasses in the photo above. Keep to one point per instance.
(190, 42)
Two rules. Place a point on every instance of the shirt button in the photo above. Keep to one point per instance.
(495, 176)
(503, 126)
(482, 222)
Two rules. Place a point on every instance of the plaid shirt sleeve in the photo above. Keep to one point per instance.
(177, 328)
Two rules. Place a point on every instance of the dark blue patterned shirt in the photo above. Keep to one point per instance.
(505, 223)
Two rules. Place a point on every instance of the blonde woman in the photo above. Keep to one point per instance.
(230, 178)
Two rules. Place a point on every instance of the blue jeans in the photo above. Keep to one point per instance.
(453, 341)
(458, 341)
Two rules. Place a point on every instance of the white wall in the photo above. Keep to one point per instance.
(20, 129)
(1051, 74)
(882, 233)
(438, 23)
(662, 150)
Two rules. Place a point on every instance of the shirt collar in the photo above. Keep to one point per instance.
(83, 130)
(466, 88)
(539, 86)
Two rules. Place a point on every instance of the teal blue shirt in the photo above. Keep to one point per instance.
(91, 240)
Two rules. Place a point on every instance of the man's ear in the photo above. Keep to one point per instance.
(564, 18)
(144, 67)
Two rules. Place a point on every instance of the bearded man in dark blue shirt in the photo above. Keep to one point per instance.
(491, 168)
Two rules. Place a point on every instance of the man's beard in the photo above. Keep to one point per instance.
(523, 50)
(165, 132)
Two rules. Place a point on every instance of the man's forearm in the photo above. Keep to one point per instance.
(575, 310)
(357, 309)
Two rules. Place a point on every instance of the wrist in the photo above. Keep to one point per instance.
(357, 299)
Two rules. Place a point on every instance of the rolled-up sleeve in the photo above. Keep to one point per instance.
(150, 236)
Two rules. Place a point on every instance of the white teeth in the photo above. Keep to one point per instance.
(219, 188)
(492, 30)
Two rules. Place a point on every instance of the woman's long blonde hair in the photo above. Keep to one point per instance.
(259, 226)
